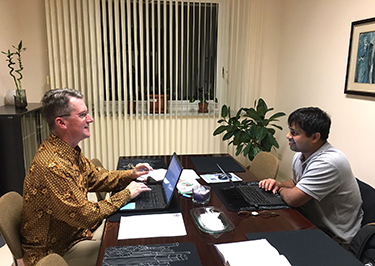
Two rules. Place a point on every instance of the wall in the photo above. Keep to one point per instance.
(24, 20)
(313, 53)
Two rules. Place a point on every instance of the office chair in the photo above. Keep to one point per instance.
(368, 205)
(265, 165)
(362, 245)
(10, 222)
(99, 195)
(52, 260)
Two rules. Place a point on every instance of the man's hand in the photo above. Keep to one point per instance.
(270, 185)
(141, 169)
(136, 188)
(292, 195)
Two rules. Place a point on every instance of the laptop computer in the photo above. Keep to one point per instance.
(248, 196)
(161, 194)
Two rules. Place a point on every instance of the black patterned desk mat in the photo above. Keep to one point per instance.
(174, 254)
(208, 164)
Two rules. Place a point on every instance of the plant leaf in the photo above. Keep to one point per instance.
(224, 111)
(219, 130)
(258, 132)
(228, 135)
(250, 133)
(253, 114)
(239, 149)
(277, 126)
(277, 115)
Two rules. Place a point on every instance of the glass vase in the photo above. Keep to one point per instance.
(20, 100)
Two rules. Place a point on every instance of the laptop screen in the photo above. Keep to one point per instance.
(171, 177)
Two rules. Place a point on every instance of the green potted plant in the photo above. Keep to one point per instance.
(250, 130)
(203, 96)
(15, 64)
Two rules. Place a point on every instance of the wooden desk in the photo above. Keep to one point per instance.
(289, 219)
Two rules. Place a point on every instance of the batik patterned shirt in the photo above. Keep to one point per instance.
(56, 212)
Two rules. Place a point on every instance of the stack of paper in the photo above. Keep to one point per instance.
(188, 181)
(156, 174)
(254, 252)
(151, 225)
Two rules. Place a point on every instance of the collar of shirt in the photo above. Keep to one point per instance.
(323, 148)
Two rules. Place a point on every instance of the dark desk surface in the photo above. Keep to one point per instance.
(289, 219)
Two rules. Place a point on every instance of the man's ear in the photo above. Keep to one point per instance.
(316, 137)
(60, 122)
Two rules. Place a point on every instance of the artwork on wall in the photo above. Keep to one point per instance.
(360, 72)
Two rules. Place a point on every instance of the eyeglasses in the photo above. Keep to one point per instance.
(82, 115)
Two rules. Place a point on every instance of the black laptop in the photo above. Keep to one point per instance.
(248, 196)
(161, 194)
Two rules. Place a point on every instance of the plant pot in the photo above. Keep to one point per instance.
(202, 107)
(134, 108)
(20, 100)
(156, 100)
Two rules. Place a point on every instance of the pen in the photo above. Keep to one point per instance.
(186, 195)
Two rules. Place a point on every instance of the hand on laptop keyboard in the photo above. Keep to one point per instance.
(136, 188)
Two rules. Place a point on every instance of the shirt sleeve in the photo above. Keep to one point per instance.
(67, 197)
(319, 179)
(102, 180)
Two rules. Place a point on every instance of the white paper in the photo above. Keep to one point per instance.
(156, 174)
(214, 178)
(151, 225)
(187, 181)
(255, 252)
(188, 174)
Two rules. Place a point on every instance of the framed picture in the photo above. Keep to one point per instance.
(360, 72)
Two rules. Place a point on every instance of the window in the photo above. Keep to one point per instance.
(159, 47)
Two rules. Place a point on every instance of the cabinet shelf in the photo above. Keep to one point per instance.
(21, 133)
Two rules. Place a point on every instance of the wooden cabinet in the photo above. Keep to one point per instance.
(21, 133)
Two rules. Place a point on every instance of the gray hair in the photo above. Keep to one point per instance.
(56, 103)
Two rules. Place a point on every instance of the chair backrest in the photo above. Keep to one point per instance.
(265, 165)
(97, 162)
(10, 222)
(52, 260)
(368, 204)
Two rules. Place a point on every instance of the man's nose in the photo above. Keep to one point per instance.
(288, 135)
(89, 118)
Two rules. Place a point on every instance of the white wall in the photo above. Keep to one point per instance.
(311, 72)
(24, 20)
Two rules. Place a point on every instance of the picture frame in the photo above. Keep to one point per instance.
(360, 72)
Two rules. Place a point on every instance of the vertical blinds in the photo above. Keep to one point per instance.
(119, 53)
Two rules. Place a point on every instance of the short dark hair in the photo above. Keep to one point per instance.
(311, 120)
(56, 103)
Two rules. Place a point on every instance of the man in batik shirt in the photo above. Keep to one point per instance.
(57, 217)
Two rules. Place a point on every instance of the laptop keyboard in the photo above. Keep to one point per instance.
(148, 198)
(252, 194)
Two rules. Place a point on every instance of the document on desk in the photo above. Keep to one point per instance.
(215, 178)
(151, 225)
(156, 174)
(159, 174)
(254, 252)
